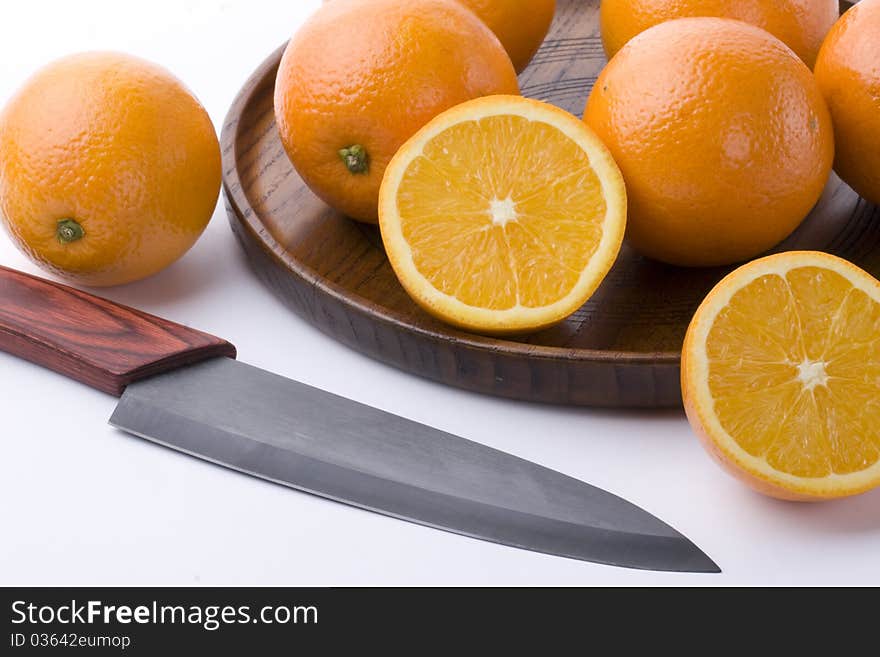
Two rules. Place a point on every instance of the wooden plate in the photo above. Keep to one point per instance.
(621, 349)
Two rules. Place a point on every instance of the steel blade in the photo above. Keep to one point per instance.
(284, 431)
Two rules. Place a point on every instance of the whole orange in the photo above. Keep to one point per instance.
(800, 24)
(109, 168)
(520, 25)
(363, 76)
(722, 136)
(848, 72)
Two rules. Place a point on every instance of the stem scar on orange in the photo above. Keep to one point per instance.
(109, 168)
(360, 77)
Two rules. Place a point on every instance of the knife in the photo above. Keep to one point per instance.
(183, 389)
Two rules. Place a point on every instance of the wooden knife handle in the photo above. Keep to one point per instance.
(95, 341)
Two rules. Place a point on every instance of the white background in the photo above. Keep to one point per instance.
(81, 503)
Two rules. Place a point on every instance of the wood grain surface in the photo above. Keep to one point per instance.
(92, 340)
(621, 349)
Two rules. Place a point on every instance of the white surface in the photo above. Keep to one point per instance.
(81, 503)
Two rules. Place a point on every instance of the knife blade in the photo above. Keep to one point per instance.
(183, 389)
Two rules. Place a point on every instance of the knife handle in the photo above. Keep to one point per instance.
(98, 342)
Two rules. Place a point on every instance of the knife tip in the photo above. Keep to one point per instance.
(699, 562)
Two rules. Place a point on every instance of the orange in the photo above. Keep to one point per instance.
(800, 24)
(109, 168)
(502, 215)
(781, 376)
(722, 135)
(520, 25)
(848, 72)
(362, 76)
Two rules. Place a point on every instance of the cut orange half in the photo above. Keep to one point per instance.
(502, 215)
(781, 376)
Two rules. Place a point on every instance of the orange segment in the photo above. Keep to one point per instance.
(781, 375)
(502, 215)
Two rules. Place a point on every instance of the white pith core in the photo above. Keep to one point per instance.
(502, 212)
(812, 373)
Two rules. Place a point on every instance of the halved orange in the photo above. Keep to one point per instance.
(781, 376)
(502, 215)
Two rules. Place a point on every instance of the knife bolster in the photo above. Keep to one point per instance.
(92, 340)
